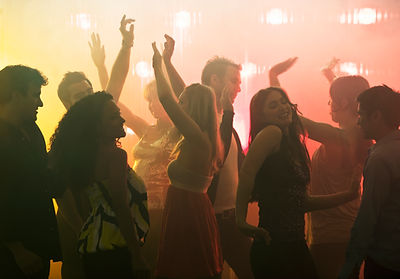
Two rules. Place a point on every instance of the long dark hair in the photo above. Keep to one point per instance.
(74, 143)
(295, 136)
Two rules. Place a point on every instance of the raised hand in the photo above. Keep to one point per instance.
(169, 46)
(331, 64)
(127, 35)
(283, 66)
(97, 50)
(328, 69)
(157, 59)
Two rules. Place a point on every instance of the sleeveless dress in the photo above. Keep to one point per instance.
(151, 161)
(280, 189)
(190, 245)
(101, 231)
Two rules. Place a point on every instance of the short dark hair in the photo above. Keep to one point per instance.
(384, 99)
(216, 65)
(17, 78)
(348, 87)
(68, 79)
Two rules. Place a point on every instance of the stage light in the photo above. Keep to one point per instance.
(82, 21)
(182, 19)
(248, 69)
(349, 68)
(144, 69)
(276, 16)
(366, 16)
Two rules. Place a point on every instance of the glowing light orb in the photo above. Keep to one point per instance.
(366, 16)
(276, 16)
(248, 69)
(144, 69)
(349, 68)
(182, 20)
(82, 21)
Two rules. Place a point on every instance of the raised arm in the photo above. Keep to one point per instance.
(327, 71)
(99, 56)
(138, 125)
(176, 80)
(278, 69)
(266, 143)
(182, 121)
(121, 65)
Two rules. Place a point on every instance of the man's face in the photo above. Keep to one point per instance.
(28, 105)
(230, 81)
(79, 90)
(233, 80)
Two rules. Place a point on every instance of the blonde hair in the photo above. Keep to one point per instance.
(203, 110)
(150, 90)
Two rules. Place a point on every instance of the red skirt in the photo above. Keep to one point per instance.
(190, 245)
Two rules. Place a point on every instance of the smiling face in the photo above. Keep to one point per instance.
(277, 110)
(112, 124)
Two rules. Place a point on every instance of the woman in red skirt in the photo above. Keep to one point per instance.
(189, 246)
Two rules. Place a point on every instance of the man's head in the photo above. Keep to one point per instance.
(73, 87)
(343, 97)
(20, 89)
(219, 73)
(379, 111)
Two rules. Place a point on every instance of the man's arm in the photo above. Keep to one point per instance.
(99, 56)
(177, 83)
(377, 179)
(323, 133)
(121, 65)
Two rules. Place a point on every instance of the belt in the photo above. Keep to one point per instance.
(226, 214)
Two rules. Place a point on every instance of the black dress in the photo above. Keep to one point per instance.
(280, 189)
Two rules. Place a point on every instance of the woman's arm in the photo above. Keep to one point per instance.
(121, 65)
(138, 125)
(117, 189)
(177, 83)
(67, 208)
(324, 133)
(99, 56)
(182, 121)
(265, 143)
(318, 202)
(278, 69)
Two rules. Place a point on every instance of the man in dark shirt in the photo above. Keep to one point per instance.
(28, 228)
(375, 237)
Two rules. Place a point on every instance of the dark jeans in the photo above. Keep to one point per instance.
(108, 264)
(373, 270)
(282, 260)
(10, 270)
(235, 245)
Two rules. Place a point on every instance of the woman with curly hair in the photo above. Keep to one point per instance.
(275, 173)
(101, 197)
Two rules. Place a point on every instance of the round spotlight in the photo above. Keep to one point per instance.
(182, 19)
(143, 69)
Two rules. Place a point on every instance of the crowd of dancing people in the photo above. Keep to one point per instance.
(181, 210)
